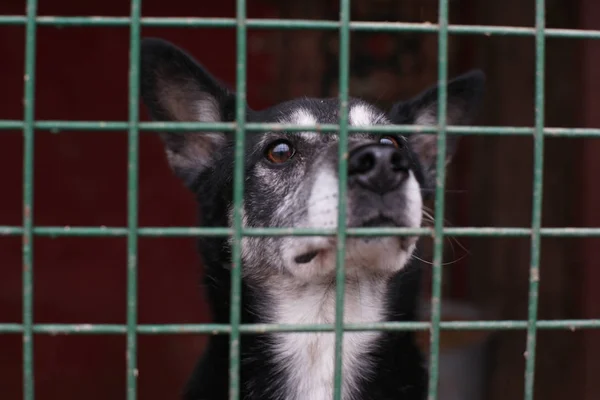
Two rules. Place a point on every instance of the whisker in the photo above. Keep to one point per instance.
(445, 264)
(459, 244)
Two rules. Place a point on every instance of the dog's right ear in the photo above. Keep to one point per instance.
(174, 87)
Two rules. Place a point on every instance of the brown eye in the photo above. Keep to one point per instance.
(390, 141)
(280, 151)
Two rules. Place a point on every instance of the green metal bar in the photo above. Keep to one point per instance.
(340, 275)
(536, 219)
(28, 125)
(28, 189)
(132, 198)
(92, 231)
(383, 326)
(238, 199)
(221, 329)
(58, 126)
(438, 238)
(262, 23)
(11, 328)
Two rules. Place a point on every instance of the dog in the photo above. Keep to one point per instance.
(291, 180)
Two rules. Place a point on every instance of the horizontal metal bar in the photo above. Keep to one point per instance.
(57, 126)
(216, 329)
(262, 23)
(11, 328)
(93, 231)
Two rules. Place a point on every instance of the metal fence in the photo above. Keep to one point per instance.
(344, 25)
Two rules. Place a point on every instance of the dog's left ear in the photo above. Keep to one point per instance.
(464, 94)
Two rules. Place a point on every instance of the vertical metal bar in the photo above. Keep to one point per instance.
(536, 219)
(344, 66)
(438, 239)
(28, 153)
(132, 198)
(238, 196)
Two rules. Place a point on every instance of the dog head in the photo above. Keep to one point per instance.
(292, 177)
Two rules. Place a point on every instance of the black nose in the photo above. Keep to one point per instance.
(378, 168)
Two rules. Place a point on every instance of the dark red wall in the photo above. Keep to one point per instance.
(590, 167)
(81, 180)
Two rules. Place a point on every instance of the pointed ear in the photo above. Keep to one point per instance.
(174, 87)
(464, 95)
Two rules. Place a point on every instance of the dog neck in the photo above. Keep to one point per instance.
(294, 366)
(307, 358)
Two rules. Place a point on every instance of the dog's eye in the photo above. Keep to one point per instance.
(280, 151)
(390, 141)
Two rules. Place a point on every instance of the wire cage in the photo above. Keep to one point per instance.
(28, 328)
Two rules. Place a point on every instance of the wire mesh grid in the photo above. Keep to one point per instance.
(132, 232)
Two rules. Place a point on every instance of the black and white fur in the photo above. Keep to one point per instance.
(291, 280)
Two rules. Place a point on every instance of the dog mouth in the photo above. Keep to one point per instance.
(382, 221)
(379, 221)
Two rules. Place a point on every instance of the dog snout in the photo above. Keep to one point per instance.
(378, 168)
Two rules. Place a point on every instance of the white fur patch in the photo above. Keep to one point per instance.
(303, 117)
(323, 201)
(308, 358)
(322, 208)
(363, 115)
(414, 202)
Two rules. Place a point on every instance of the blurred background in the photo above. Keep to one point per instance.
(80, 180)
